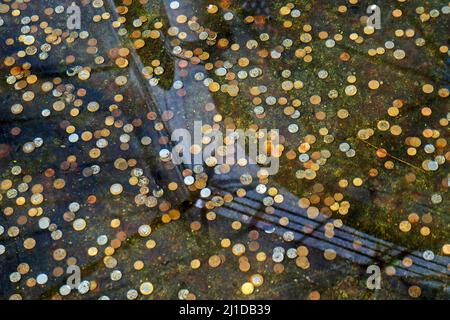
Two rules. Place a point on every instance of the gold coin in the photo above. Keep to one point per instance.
(115, 223)
(396, 130)
(174, 214)
(405, 226)
(342, 114)
(116, 189)
(446, 249)
(314, 295)
(236, 225)
(425, 231)
(138, 265)
(29, 243)
(59, 183)
(139, 43)
(28, 40)
(414, 291)
(166, 218)
(244, 266)
(357, 182)
(369, 30)
(59, 254)
(247, 288)
(212, 8)
(261, 256)
(214, 87)
(84, 74)
(195, 264)
(92, 251)
(150, 244)
(329, 254)
(225, 243)
(374, 84)
(121, 81)
(427, 88)
(302, 251)
(121, 62)
(6, 184)
(257, 280)
(302, 262)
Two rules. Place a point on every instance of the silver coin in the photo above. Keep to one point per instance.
(38, 142)
(344, 147)
(65, 290)
(183, 293)
(323, 74)
(287, 43)
(174, 5)
(264, 36)
(293, 128)
(15, 277)
(84, 287)
(95, 169)
(74, 206)
(295, 13)
(189, 180)
(288, 236)
(389, 44)
(304, 157)
(56, 235)
(228, 16)
(178, 84)
(73, 138)
(44, 223)
(350, 153)
(268, 201)
(433, 165)
(291, 253)
(296, 114)
(261, 188)
(330, 43)
(205, 192)
(436, 198)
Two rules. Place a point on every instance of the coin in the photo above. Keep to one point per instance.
(214, 261)
(247, 288)
(116, 189)
(146, 288)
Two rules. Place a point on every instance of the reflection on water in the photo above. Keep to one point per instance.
(88, 184)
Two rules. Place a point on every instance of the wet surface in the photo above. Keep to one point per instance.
(85, 133)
